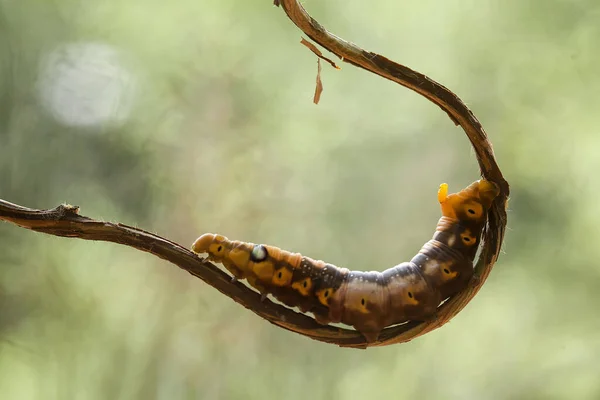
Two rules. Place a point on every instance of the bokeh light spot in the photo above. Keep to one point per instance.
(86, 85)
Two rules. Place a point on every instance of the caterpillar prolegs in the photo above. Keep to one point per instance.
(369, 301)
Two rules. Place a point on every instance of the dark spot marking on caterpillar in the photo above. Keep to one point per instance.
(362, 301)
(326, 294)
(219, 248)
(466, 239)
(279, 274)
(471, 211)
(259, 253)
(305, 284)
(446, 270)
(410, 295)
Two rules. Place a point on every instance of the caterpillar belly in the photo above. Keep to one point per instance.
(369, 301)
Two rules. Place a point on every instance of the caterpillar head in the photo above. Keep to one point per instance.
(471, 203)
(212, 244)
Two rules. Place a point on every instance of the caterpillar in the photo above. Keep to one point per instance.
(368, 301)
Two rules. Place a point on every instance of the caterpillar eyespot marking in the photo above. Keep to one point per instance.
(368, 301)
(259, 253)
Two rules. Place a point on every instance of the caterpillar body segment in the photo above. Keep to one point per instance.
(369, 301)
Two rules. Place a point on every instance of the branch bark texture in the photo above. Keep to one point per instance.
(65, 220)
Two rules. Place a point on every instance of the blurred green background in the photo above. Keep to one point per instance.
(196, 116)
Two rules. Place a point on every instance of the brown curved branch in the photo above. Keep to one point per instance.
(460, 114)
(65, 221)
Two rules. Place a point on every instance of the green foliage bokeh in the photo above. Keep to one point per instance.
(222, 136)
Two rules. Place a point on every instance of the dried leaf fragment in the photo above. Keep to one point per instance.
(317, 52)
(319, 87)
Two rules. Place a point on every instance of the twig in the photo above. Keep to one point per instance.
(460, 114)
(65, 221)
